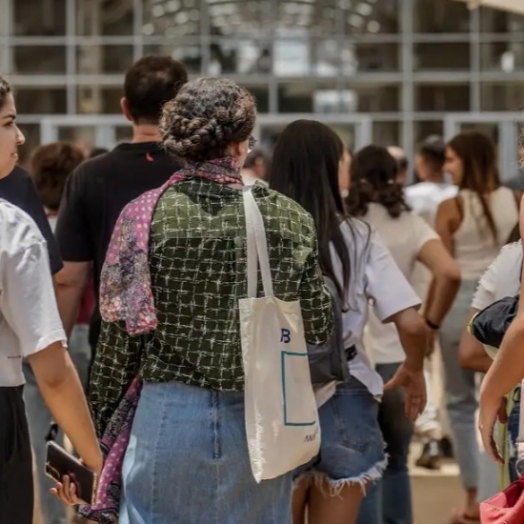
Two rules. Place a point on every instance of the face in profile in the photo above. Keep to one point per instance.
(454, 166)
(344, 177)
(10, 137)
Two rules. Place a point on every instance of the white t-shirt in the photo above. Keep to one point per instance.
(374, 276)
(404, 237)
(501, 279)
(29, 319)
(425, 197)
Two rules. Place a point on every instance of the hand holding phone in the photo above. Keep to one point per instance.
(76, 483)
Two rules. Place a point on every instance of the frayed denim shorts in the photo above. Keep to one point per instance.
(352, 447)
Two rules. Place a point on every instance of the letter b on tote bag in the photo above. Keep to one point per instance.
(281, 414)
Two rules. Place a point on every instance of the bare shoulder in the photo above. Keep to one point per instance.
(448, 213)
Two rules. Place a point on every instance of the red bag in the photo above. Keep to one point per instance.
(506, 507)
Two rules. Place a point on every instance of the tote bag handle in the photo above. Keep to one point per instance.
(257, 252)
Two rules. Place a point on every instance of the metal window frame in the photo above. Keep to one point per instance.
(406, 77)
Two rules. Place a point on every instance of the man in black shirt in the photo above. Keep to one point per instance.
(18, 189)
(100, 188)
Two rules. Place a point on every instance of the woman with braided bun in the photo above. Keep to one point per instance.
(378, 199)
(171, 284)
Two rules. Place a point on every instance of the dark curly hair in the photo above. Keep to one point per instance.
(5, 89)
(50, 165)
(207, 115)
(373, 179)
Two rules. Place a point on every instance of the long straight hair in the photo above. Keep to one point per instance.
(480, 172)
(305, 168)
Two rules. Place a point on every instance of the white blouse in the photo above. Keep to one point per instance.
(29, 319)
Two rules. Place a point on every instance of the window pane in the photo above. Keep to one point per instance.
(171, 18)
(368, 17)
(189, 55)
(41, 100)
(443, 97)
(314, 18)
(104, 18)
(441, 56)
(304, 57)
(369, 57)
(242, 56)
(501, 97)
(95, 59)
(252, 18)
(502, 56)
(308, 97)
(261, 94)
(433, 16)
(500, 21)
(37, 60)
(371, 98)
(424, 129)
(38, 18)
(292, 57)
(84, 136)
(386, 133)
(99, 100)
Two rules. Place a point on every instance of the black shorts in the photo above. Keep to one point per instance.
(16, 466)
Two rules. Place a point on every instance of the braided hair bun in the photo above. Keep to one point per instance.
(206, 116)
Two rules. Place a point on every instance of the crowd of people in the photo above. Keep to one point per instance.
(120, 278)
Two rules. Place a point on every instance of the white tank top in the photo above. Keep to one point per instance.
(475, 248)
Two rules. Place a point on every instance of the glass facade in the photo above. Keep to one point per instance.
(406, 65)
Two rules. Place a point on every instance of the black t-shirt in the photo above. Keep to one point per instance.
(94, 196)
(18, 189)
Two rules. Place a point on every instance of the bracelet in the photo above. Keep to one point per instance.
(431, 325)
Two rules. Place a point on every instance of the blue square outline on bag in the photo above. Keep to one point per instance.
(283, 370)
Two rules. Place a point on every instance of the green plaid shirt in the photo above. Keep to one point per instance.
(198, 273)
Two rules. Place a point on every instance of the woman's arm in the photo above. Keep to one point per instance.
(116, 364)
(472, 354)
(447, 222)
(446, 279)
(62, 392)
(505, 373)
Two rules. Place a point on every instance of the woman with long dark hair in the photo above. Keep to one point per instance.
(377, 198)
(474, 226)
(311, 166)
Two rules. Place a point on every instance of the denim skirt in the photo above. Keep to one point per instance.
(187, 462)
(352, 447)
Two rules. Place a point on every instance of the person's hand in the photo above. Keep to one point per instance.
(490, 409)
(414, 385)
(66, 492)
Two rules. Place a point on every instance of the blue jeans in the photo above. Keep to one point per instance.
(460, 388)
(391, 497)
(187, 462)
(40, 419)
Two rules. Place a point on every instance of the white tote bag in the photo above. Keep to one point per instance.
(282, 426)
